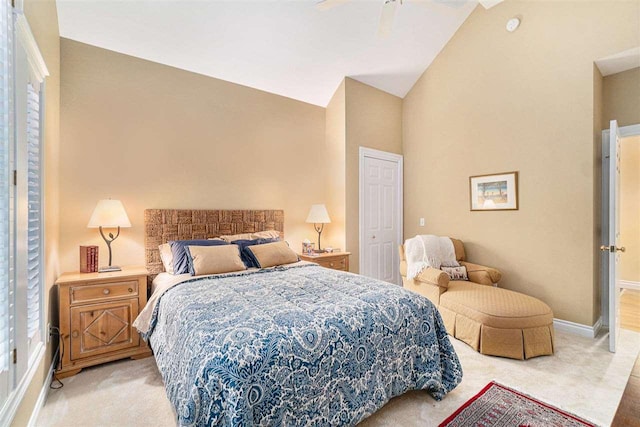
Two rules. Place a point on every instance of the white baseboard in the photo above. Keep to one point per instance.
(42, 397)
(628, 284)
(578, 328)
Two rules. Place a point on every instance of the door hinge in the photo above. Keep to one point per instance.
(15, 177)
(15, 356)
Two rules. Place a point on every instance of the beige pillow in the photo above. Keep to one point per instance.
(167, 257)
(215, 259)
(267, 234)
(270, 254)
(234, 237)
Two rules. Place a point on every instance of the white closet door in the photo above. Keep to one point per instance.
(381, 210)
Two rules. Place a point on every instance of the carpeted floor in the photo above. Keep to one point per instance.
(582, 378)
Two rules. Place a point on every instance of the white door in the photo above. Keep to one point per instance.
(380, 214)
(612, 246)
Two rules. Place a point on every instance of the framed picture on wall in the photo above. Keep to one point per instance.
(495, 192)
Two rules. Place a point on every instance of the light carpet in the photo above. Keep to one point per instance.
(582, 377)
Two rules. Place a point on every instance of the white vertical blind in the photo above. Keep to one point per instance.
(34, 232)
(6, 194)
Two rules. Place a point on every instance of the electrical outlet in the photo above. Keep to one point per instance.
(421, 222)
(48, 331)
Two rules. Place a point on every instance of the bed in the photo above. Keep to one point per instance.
(297, 344)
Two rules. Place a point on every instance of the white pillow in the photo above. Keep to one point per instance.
(167, 257)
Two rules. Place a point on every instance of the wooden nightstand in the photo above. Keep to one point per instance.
(335, 260)
(97, 311)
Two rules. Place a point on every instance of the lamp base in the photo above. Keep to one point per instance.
(109, 269)
(319, 251)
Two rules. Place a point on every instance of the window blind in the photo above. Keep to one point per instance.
(34, 201)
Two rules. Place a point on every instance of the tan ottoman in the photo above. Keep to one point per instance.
(497, 321)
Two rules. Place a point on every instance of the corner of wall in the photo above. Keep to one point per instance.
(597, 189)
(335, 134)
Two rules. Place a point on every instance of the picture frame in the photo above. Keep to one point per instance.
(308, 248)
(494, 192)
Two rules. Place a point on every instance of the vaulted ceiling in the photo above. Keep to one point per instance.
(289, 48)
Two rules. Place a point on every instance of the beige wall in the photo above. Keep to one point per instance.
(494, 101)
(630, 208)
(373, 120)
(621, 98)
(158, 137)
(358, 115)
(43, 20)
(335, 154)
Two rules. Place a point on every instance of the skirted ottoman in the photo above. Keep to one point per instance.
(496, 321)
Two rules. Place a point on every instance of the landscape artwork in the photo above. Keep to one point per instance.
(494, 192)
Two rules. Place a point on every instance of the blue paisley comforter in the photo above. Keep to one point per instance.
(297, 347)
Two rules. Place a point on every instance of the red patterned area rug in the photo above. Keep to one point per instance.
(500, 406)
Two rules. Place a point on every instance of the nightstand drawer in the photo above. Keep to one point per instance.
(333, 260)
(104, 291)
(336, 264)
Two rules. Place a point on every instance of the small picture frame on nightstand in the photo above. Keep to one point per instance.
(308, 247)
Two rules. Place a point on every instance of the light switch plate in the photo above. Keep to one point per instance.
(421, 222)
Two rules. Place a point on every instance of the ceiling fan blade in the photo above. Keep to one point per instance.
(488, 4)
(387, 17)
(329, 4)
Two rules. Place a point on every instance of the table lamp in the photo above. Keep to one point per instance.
(109, 214)
(318, 215)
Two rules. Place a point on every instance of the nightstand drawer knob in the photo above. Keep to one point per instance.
(130, 290)
(74, 334)
(331, 264)
(106, 291)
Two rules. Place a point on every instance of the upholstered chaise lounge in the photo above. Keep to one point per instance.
(491, 320)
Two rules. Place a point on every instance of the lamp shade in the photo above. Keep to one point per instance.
(109, 214)
(318, 214)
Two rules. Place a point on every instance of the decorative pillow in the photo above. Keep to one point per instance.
(233, 237)
(178, 249)
(247, 257)
(456, 273)
(214, 259)
(271, 254)
(167, 257)
(267, 234)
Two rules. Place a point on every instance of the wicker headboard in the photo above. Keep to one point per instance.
(163, 225)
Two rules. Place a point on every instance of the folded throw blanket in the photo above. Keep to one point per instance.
(428, 251)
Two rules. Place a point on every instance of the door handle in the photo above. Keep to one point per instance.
(373, 237)
(612, 248)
